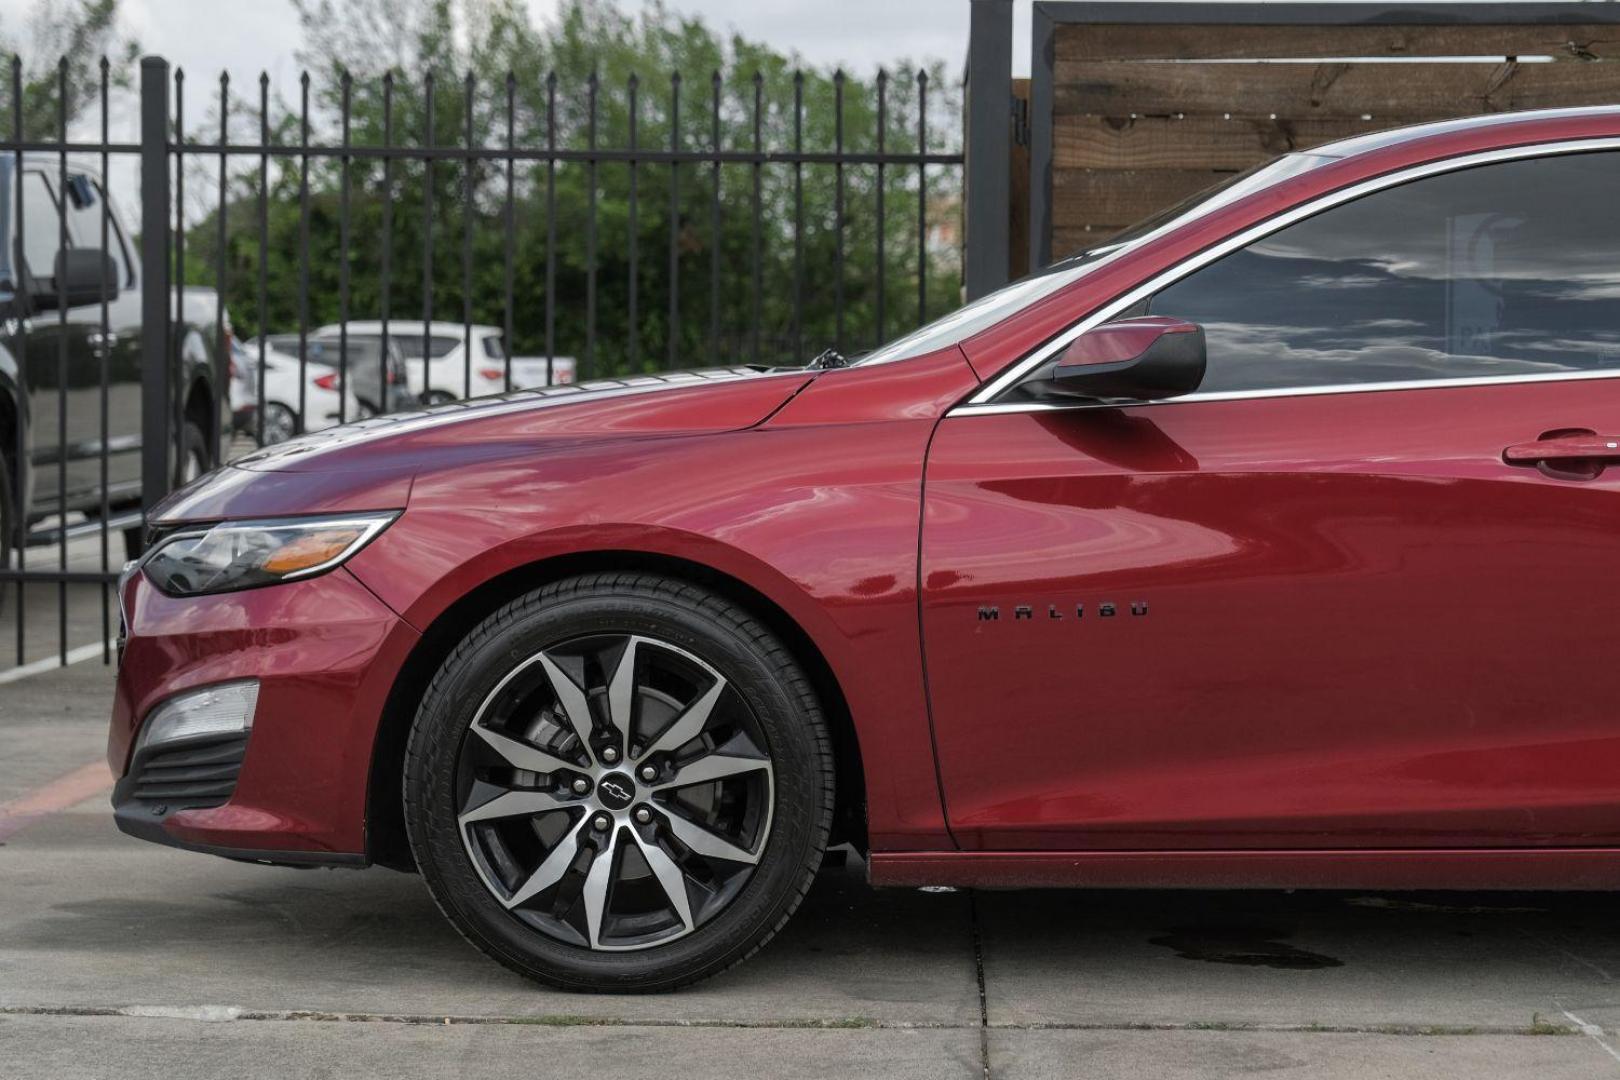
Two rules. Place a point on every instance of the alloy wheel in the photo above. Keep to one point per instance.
(279, 424)
(614, 792)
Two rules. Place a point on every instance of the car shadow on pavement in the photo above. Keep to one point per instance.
(94, 919)
(1318, 960)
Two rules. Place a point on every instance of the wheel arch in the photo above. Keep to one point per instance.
(196, 365)
(386, 842)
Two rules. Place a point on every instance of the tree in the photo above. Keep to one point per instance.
(496, 76)
(67, 41)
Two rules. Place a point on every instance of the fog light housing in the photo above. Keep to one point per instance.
(209, 712)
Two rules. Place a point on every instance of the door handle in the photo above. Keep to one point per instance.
(1567, 453)
(1575, 447)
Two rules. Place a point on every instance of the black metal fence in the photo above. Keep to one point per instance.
(606, 231)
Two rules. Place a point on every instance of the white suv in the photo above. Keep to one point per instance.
(449, 376)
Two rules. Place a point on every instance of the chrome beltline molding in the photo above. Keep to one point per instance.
(1286, 392)
(982, 403)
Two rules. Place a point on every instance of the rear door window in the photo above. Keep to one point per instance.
(411, 345)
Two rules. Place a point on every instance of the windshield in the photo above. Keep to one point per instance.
(985, 312)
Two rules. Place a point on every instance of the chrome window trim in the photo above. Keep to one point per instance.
(982, 403)
(992, 409)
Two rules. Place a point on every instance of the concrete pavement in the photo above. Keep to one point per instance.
(121, 959)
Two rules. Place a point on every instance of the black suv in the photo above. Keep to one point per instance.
(41, 282)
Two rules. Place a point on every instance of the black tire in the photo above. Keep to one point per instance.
(134, 543)
(8, 525)
(770, 687)
(196, 458)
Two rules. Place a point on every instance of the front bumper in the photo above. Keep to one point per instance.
(325, 653)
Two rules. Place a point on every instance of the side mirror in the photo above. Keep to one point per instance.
(83, 276)
(1142, 359)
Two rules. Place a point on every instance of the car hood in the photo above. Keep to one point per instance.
(373, 460)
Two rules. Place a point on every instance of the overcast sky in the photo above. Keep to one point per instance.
(247, 36)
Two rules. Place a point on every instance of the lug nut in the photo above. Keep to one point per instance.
(643, 815)
(648, 773)
(601, 823)
(581, 786)
(610, 755)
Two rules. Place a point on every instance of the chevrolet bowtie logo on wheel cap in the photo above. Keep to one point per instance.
(616, 791)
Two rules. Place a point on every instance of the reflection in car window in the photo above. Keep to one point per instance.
(1501, 269)
(984, 312)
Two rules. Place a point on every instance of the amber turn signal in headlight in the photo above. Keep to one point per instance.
(247, 554)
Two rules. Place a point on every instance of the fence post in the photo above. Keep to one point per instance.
(989, 146)
(156, 357)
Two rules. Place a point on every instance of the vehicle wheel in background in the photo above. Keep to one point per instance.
(280, 424)
(619, 782)
(195, 459)
(438, 397)
(195, 456)
(8, 525)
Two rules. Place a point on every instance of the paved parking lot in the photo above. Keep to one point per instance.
(120, 959)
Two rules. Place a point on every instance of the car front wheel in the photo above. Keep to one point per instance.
(619, 782)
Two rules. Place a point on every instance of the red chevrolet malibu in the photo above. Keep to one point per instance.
(1269, 544)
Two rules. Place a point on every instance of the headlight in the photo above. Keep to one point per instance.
(246, 554)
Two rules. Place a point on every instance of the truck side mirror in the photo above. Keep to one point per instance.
(83, 276)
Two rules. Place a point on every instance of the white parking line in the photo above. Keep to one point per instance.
(50, 663)
(1592, 1031)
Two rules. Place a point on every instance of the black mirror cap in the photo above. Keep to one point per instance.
(83, 276)
(1171, 365)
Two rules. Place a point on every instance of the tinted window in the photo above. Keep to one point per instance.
(494, 347)
(1504, 269)
(411, 345)
(326, 351)
(395, 357)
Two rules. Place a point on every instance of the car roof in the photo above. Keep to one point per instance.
(1380, 140)
(411, 326)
